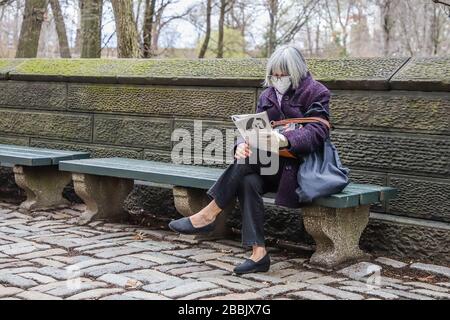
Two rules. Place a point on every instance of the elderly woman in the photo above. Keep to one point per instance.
(291, 93)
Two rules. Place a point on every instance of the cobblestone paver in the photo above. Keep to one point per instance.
(47, 256)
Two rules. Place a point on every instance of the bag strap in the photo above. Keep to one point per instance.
(301, 120)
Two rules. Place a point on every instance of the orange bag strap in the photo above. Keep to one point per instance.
(301, 120)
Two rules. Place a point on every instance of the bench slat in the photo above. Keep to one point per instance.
(345, 199)
(385, 193)
(185, 176)
(204, 177)
(29, 156)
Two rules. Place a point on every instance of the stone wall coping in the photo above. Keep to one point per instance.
(422, 74)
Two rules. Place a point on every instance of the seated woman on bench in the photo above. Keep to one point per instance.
(290, 93)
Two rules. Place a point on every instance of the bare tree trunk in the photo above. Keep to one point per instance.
(91, 21)
(31, 28)
(208, 30)
(77, 47)
(148, 28)
(309, 38)
(138, 11)
(223, 3)
(127, 38)
(317, 39)
(16, 25)
(435, 31)
(271, 36)
(60, 29)
(344, 24)
(386, 8)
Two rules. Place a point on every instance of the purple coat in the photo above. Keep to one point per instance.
(294, 104)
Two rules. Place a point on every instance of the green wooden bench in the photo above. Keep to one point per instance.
(335, 222)
(36, 171)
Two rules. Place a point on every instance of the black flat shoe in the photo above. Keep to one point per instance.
(184, 225)
(250, 266)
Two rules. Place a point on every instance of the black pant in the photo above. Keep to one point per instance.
(245, 181)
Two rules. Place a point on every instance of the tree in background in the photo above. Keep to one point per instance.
(242, 16)
(90, 32)
(148, 28)
(232, 44)
(31, 28)
(207, 31)
(225, 7)
(320, 28)
(60, 29)
(162, 19)
(286, 20)
(127, 37)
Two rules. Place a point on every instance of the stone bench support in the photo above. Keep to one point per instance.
(189, 201)
(43, 186)
(336, 232)
(104, 196)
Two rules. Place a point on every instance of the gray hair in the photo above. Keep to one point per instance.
(286, 59)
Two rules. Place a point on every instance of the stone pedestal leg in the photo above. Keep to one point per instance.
(104, 196)
(336, 232)
(189, 201)
(43, 186)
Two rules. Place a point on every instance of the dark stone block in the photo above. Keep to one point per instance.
(69, 194)
(404, 239)
(46, 124)
(8, 187)
(198, 102)
(404, 153)
(133, 131)
(421, 197)
(157, 155)
(279, 223)
(21, 141)
(151, 204)
(216, 139)
(42, 95)
(391, 111)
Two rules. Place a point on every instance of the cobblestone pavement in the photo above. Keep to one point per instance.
(48, 256)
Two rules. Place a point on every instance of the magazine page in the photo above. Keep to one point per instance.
(249, 124)
(255, 129)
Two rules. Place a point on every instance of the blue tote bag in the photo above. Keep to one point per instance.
(321, 172)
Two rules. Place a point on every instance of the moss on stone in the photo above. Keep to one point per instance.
(71, 67)
(426, 69)
(7, 65)
(354, 68)
(324, 69)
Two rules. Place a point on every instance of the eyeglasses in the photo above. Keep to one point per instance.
(272, 77)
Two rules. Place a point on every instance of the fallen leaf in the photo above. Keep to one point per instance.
(132, 283)
(427, 279)
(139, 236)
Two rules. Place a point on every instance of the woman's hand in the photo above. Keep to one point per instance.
(242, 151)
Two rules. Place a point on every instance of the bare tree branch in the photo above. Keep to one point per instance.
(441, 2)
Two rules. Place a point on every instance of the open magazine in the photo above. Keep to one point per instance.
(255, 128)
(248, 124)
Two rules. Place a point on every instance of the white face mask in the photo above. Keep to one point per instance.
(281, 84)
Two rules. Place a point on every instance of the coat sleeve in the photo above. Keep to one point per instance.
(311, 136)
